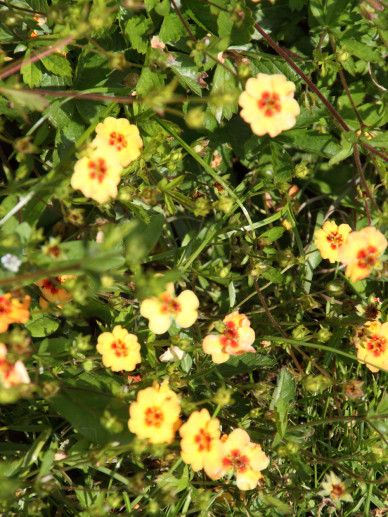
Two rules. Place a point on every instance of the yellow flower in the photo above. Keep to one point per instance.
(371, 342)
(244, 458)
(163, 309)
(268, 104)
(200, 445)
(13, 310)
(154, 416)
(236, 339)
(11, 374)
(120, 350)
(335, 489)
(118, 135)
(361, 252)
(330, 238)
(53, 291)
(97, 175)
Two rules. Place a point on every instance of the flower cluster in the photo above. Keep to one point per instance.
(98, 173)
(11, 374)
(268, 104)
(236, 338)
(371, 342)
(13, 310)
(359, 251)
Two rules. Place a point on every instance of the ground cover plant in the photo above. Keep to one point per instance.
(192, 275)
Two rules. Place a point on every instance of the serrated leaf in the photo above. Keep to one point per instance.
(238, 31)
(25, 100)
(42, 325)
(136, 30)
(31, 72)
(172, 29)
(58, 65)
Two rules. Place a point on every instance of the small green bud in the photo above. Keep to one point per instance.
(223, 397)
(195, 118)
(300, 332)
(335, 287)
(324, 335)
(301, 170)
(316, 384)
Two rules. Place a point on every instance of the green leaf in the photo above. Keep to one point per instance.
(41, 325)
(141, 237)
(136, 30)
(224, 92)
(246, 363)
(282, 397)
(310, 141)
(238, 31)
(149, 81)
(58, 65)
(172, 29)
(25, 100)
(281, 163)
(31, 72)
(273, 234)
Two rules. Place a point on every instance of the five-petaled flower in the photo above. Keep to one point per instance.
(163, 309)
(330, 238)
(120, 350)
(53, 291)
(118, 135)
(268, 104)
(335, 489)
(97, 175)
(11, 374)
(361, 252)
(236, 339)
(371, 342)
(13, 310)
(200, 445)
(154, 416)
(244, 458)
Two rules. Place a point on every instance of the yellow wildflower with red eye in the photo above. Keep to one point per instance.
(371, 342)
(13, 310)
(268, 104)
(97, 175)
(162, 310)
(330, 238)
(236, 339)
(335, 489)
(361, 252)
(120, 350)
(11, 374)
(201, 445)
(243, 458)
(53, 291)
(154, 416)
(119, 136)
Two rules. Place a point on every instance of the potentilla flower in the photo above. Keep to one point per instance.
(236, 339)
(162, 310)
(361, 252)
(97, 175)
(268, 104)
(154, 416)
(13, 310)
(120, 350)
(11, 374)
(243, 458)
(119, 136)
(334, 488)
(371, 342)
(200, 445)
(52, 290)
(330, 238)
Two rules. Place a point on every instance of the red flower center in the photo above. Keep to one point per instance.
(118, 140)
(6, 370)
(170, 304)
(5, 305)
(269, 103)
(376, 345)
(203, 440)
(335, 240)
(120, 348)
(153, 416)
(367, 257)
(337, 491)
(229, 338)
(51, 286)
(98, 169)
(236, 460)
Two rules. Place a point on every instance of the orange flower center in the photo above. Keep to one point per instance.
(335, 240)
(367, 257)
(5, 305)
(7, 369)
(229, 338)
(337, 491)
(98, 169)
(269, 103)
(153, 416)
(236, 460)
(170, 304)
(118, 140)
(376, 345)
(119, 348)
(51, 286)
(203, 440)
